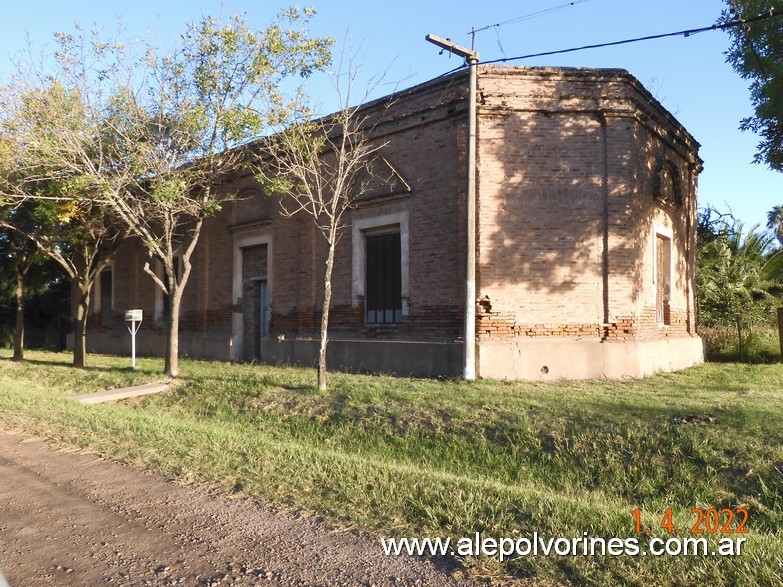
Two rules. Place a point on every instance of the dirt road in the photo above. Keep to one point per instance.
(74, 519)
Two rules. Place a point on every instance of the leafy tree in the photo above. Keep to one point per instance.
(59, 159)
(739, 277)
(81, 239)
(219, 90)
(30, 282)
(148, 139)
(18, 254)
(775, 222)
(755, 54)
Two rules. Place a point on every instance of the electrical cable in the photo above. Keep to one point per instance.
(687, 33)
(500, 45)
(530, 16)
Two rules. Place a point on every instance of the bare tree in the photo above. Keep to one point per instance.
(323, 167)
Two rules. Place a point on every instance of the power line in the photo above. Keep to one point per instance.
(530, 16)
(686, 33)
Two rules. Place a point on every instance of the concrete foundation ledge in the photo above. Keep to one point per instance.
(533, 360)
(404, 358)
(198, 346)
(564, 359)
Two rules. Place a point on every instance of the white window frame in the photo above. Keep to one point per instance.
(359, 230)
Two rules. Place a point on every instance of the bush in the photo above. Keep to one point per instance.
(6, 337)
(762, 344)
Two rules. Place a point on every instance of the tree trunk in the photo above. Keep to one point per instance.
(171, 366)
(19, 334)
(325, 317)
(739, 338)
(80, 327)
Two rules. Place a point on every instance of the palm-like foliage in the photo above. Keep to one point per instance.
(740, 278)
(775, 222)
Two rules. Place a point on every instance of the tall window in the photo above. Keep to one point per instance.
(383, 294)
(663, 255)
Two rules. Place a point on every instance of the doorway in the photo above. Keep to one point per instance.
(255, 301)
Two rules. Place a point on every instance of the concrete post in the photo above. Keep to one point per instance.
(780, 330)
(471, 58)
(469, 371)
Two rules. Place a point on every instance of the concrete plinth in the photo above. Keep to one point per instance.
(586, 359)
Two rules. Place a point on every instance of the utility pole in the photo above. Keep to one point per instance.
(471, 58)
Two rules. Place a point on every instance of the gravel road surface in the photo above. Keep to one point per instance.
(69, 518)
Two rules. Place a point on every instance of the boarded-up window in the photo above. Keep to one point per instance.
(666, 183)
(383, 295)
(106, 297)
(663, 255)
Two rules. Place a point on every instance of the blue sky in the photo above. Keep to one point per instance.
(688, 75)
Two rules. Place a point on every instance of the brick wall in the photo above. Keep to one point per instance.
(425, 132)
(567, 161)
(566, 221)
(422, 130)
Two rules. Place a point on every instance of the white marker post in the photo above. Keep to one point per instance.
(133, 318)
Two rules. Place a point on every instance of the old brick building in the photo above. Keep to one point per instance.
(586, 199)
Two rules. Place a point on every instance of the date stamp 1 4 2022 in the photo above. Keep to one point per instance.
(705, 521)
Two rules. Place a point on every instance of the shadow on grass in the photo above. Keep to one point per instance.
(761, 358)
(251, 382)
(676, 415)
(69, 365)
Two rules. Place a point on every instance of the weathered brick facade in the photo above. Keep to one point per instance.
(569, 211)
(579, 174)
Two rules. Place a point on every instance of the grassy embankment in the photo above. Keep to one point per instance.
(411, 457)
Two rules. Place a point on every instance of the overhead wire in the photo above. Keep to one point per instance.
(525, 17)
(530, 16)
(686, 33)
(497, 25)
(500, 45)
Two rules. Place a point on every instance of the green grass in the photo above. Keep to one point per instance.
(411, 457)
(762, 343)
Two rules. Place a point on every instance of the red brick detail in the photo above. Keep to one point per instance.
(427, 323)
(493, 325)
(623, 329)
(651, 329)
